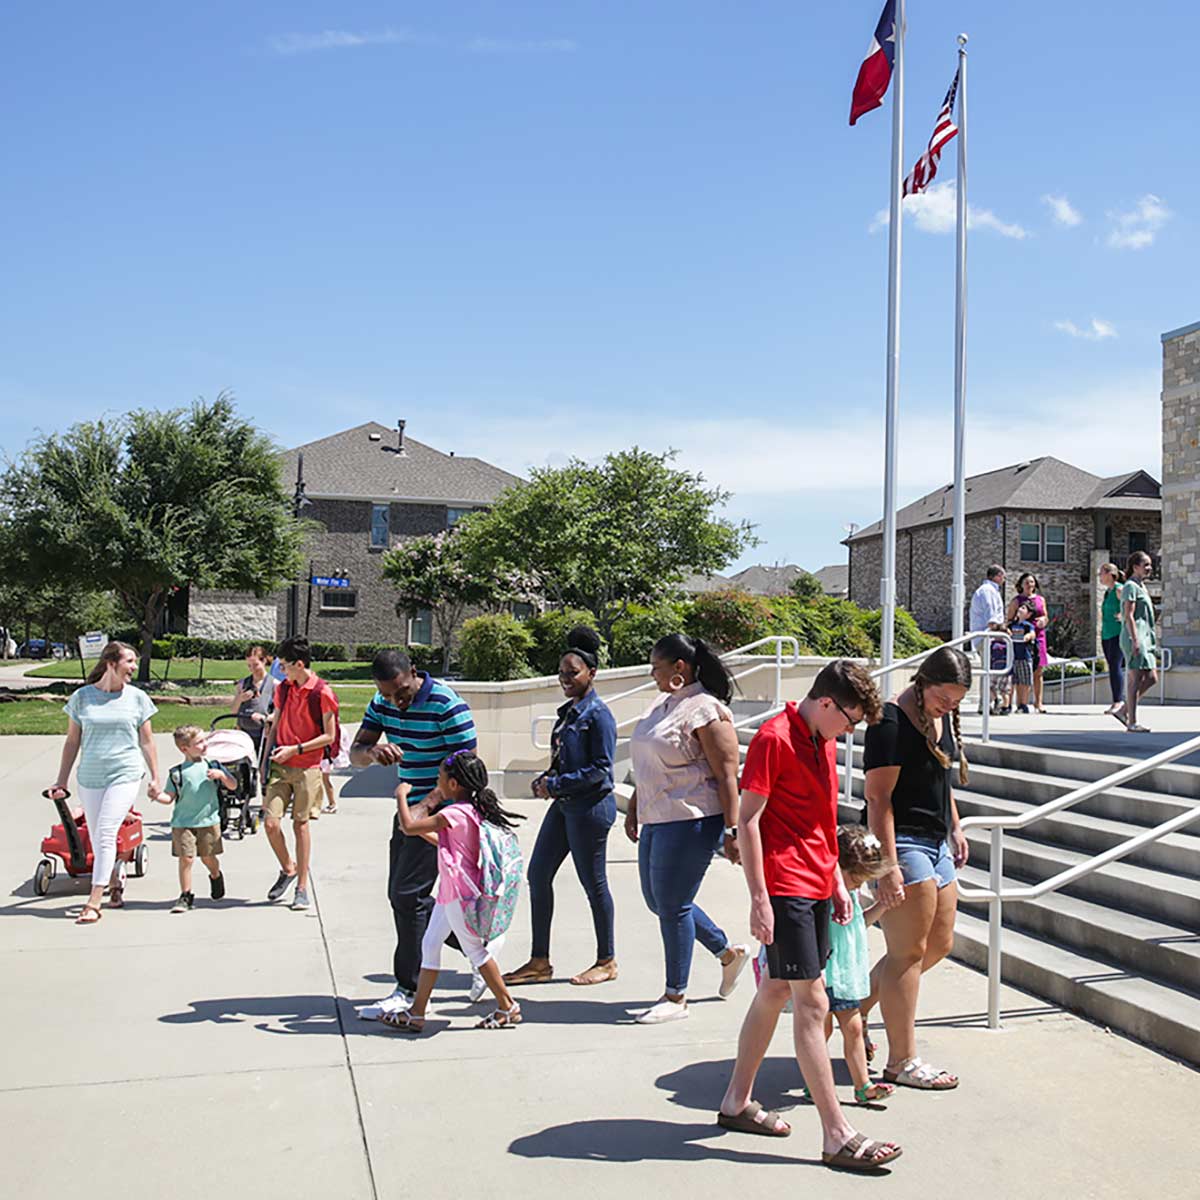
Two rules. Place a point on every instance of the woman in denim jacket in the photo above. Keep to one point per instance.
(580, 784)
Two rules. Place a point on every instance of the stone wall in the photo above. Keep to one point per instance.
(230, 616)
(1181, 494)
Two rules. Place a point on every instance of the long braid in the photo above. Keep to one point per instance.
(468, 769)
(963, 774)
(926, 725)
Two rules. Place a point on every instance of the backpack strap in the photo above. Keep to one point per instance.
(175, 775)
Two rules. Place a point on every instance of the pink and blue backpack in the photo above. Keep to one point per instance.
(501, 870)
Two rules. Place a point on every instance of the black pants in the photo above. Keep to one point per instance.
(412, 872)
(1116, 667)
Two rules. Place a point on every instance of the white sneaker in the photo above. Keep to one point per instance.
(731, 971)
(478, 987)
(398, 1001)
(663, 1011)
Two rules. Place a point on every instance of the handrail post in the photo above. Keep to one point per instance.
(847, 780)
(1094, 665)
(995, 925)
(778, 672)
(985, 699)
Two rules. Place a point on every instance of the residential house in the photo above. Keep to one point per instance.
(367, 489)
(1046, 516)
(762, 580)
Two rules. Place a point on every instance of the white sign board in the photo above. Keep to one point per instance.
(90, 644)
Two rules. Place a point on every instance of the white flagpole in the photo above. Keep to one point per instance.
(957, 587)
(887, 583)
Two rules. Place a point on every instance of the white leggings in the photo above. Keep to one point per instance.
(445, 920)
(105, 809)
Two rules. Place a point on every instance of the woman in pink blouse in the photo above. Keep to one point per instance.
(684, 809)
(1028, 592)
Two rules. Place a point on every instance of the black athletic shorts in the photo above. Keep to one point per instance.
(801, 942)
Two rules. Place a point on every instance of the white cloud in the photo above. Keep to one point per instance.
(492, 45)
(935, 211)
(1062, 210)
(1137, 229)
(342, 39)
(1096, 331)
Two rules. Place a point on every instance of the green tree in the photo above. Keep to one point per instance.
(730, 618)
(437, 572)
(807, 587)
(605, 536)
(151, 503)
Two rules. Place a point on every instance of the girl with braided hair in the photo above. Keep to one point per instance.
(452, 813)
(911, 810)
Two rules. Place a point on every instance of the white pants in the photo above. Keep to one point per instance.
(105, 809)
(445, 920)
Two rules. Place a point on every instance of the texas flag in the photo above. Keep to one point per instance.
(876, 71)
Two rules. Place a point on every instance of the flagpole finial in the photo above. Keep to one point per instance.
(962, 41)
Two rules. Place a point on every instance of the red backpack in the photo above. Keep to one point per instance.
(283, 688)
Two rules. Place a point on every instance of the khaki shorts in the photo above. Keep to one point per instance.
(299, 787)
(196, 843)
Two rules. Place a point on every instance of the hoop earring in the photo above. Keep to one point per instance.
(677, 682)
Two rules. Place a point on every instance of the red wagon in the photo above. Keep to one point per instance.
(70, 842)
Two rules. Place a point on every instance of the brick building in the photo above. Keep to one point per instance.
(1181, 494)
(368, 488)
(1044, 516)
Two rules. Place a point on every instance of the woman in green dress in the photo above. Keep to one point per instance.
(1139, 642)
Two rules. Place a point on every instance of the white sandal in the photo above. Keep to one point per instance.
(921, 1075)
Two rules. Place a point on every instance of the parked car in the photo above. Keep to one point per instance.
(39, 648)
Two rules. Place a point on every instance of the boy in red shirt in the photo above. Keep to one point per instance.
(787, 838)
(299, 741)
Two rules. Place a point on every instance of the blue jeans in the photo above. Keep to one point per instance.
(581, 831)
(1116, 667)
(672, 859)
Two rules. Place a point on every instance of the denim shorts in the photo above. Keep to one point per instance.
(840, 1004)
(924, 858)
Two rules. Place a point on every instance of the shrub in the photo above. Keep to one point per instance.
(425, 658)
(497, 647)
(548, 633)
(729, 618)
(329, 652)
(1063, 635)
(365, 651)
(909, 639)
(636, 632)
(806, 587)
(162, 648)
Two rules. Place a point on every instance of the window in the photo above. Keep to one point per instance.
(342, 600)
(1056, 544)
(454, 515)
(1138, 541)
(1031, 543)
(420, 628)
(949, 539)
(380, 526)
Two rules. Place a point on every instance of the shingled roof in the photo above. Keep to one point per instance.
(364, 463)
(1043, 485)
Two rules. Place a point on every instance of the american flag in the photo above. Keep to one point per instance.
(943, 130)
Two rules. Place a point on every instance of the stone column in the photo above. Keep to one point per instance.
(1181, 496)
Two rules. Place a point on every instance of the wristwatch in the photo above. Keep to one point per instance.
(731, 832)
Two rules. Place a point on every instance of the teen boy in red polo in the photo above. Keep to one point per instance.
(787, 837)
(299, 739)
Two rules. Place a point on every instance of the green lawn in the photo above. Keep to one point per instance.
(47, 716)
(184, 670)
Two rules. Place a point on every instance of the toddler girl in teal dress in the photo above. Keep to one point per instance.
(848, 971)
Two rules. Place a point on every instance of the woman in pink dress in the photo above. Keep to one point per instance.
(1029, 593)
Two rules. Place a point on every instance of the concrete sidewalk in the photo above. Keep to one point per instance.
(217, 1054)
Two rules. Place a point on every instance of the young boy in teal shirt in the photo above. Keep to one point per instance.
(196, 821)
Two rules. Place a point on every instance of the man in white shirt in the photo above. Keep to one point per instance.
(987, 609)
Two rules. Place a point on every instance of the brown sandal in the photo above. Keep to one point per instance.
(596, 973)
(528, 974)
(755, 1119)
(79, 920)
(862, 1153)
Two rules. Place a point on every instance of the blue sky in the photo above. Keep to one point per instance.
(544, 230)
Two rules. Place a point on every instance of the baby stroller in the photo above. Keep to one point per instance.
(70, 842)
(236, 752)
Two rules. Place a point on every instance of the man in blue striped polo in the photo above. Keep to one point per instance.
(422, 720)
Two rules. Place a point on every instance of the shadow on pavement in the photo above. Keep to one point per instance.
(701, 1085)
(315, 1014)
(630, 1140)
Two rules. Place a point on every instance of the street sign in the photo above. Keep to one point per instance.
(330, 581)
(90, 644)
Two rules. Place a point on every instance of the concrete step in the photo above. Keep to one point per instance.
(1142, 946)
(1093, 985)
(1159, 895)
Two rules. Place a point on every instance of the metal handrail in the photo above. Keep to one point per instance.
(777, 662)
(1092, 660)
(996, 893)
(985, 687)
